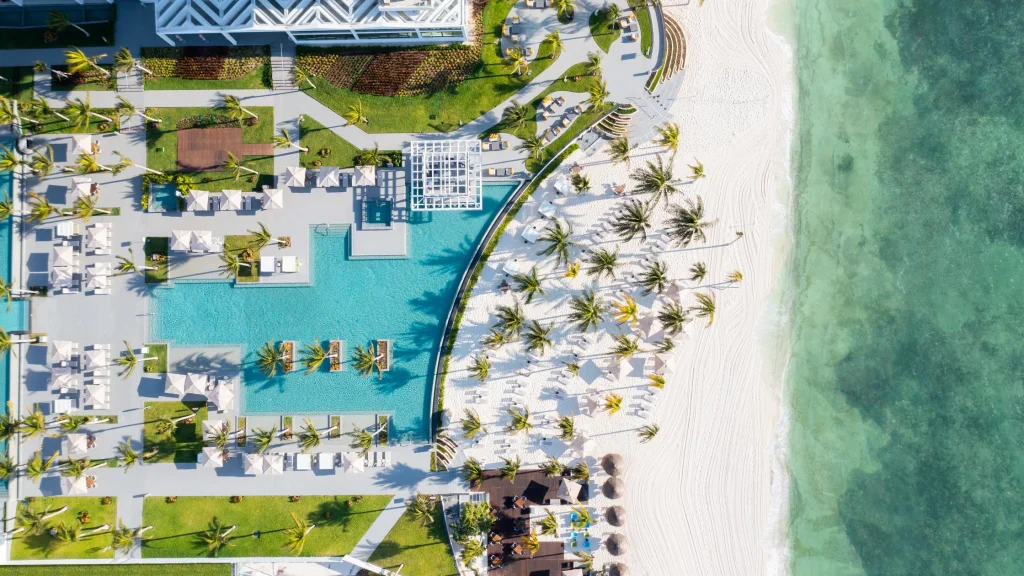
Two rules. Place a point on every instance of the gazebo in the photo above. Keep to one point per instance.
(231, 200)
(328, 176)
(613, 464)
(63, 377)
(75, 445)
(446, 174)
(74, 486)
(295, 177)
(616, 515)
(614, 488)
(273, 199)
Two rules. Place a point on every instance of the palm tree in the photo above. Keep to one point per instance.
(9, 160)
(567, 428)
(480, 368)
(533, 145)
(6, 341)
(655, 179)
(627, 311)
(593, 65)
(705, 307)
(283, 140)
(127, 456)
(620, 150)
(8, 291)
(586, 560)
(538, 338)
(300, 77)
(511, 319)
(735, 277)
(236, 166)
(128, 361)
(558, 241)
(42, 164)
(612, 403)
(573, 270)
(89, 164)
(40, 108)
(696, 170)
(33, 425)
(36, 466)
(263, 237)
(73, 468)
(263, 438)
(267, 359)
(664, 345)
(124, 537)
(9, 423)
(124, 63)
(314, 356)
(495, 339)
(81, 113)
(59, 22)
(598, 94)
(471, 550)
(40, 208)
(371, 156)
(532, 543)
(588, 310)
(365, 361)
(9, 113)
(625, 347)
(668, 136)
(520, 421)
(635, 219)
(516, 60)
(473, 471)
(363, 441)
(648, 432)
(654, 277)
(127, 265)
(32, 519)
(421, 509)
(673, 318)
(471, 425)
(657, 381)
(552, 467)
(511, 468)
(6, 208)
(40, 66)
(232, 107)
(602, 263)
(515, 115)
(309, 437)
(698, 271)
(167, 424)
(581, 471)
(124, 108)
(65, 533)
(85, 207)
(554, 40)
(580, 182)
(216, 537)
(231, 265)
(687, 223)
(549, 525)
(220, 437)
(79, 63)
(356, 114)
(528, 284)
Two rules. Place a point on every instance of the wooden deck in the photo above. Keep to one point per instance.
(204, 149)
(533, 484)
(549, 561)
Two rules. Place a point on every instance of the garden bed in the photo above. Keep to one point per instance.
(158, 366)
(241, 245)
(156, 253)
(643, 17)
(89, 80)
(207, 67)
(604, 29)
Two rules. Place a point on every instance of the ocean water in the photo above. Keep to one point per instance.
(359, 301)
(906, 384)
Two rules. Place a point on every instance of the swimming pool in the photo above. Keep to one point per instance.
(405, 300)
(17, 318)
(163, 198)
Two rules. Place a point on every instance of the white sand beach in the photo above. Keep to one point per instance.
(708, 494)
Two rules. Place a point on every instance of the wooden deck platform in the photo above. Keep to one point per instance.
(203, 149)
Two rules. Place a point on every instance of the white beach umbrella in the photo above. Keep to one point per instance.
(213, 427)
(63, 377)
(95, 281)
(548, 209)
(365, 176)
(513, 267)
(74, 486)
(63, 256)
(352, 462)
(252, 464)
(75, 445)
(197, 201)
(202, 241)
(223, 396)
(196, 383)
(60, 277)
(83, 144)
(95, 396)
(80, 188)
(273, 464)
(181, 240)
(174, 384)
(63, 350)
(663, 363)
(532, 232)
(97, 237)
(295, 177)
(581, 445)
(273, 199)
(328, 176)
(569, 490)
(231, 200)
(212, 457)
(561, 184)
(96, 358)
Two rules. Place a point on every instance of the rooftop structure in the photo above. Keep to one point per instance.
(446, 175)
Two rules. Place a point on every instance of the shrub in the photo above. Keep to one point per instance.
(106, 501)
(236, 499)
(171, 499)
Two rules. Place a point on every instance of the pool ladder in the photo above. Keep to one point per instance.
(331, 229)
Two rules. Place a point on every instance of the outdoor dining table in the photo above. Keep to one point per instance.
(495, 537)
(495, 560)
(519, 502)
(517, 548)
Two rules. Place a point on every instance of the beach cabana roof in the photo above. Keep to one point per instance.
(174, 384)
(352, 462)
(328, 176)
(252, 464)
(212, 457)
(80, 188)
(616, 544)
(568, 490)
(663, 363)
(213, 427)
(63, 377)
(202, 241)
(95, 396)
(561, 184)
(83, 144)
(614, 488)
(74, 486)
(197, 201)
(273, 464)
(223, 396)
(581, 445)
(295, 177)
(60, 277)
(613, 464)
(196, 383)
(96, 358)
(181, 240)
(63, 350)
(365, 176)
(63, 256)
(97, 237)
(273, 199)
(75, 445)
(231, 200)
(616, 515)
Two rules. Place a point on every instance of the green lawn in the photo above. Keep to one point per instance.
(643, 16)
(316, 136)
(255, 80)
(158, 366)
(184, 443)
(339, 525)
(132, 570)
(485, 88)
(603, 29)
(423, 550)
(23, 38)
(156, 245)
(45, 546)
(19, 84)
(236, 244)
(165, 135)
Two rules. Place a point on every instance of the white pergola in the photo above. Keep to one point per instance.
(446, 175)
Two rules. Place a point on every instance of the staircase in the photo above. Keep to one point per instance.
(282, 61)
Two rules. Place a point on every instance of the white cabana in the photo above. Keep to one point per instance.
(325, 461)
(213, 427)
(96, 359)
(352, 462)
(223, 396)
(63, 377)
(75, 445)
(174, 384)
(63, 256)
(63, 350)
(532, 232)
(273, 464)
(96, 281)
(202, 241)
(568, 490)
(83, 144)
(181, 240)
(196, 383)
(81, 187)
(97, 237)
(328, 176)
(295, 177)
(231, 200)
(273, 199)
(197, 201)
(60, 277)
(547, 209)
(663, 363)
(364, 176)
(95, 396)
(581, 445)
(561, 184)
(74, 486)
(252, 464)
(211, 457)
(513, 267)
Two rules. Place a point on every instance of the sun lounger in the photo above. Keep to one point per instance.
(267, 265)
(491, 172)
(289, 264)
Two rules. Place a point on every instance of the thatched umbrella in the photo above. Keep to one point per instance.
(616, 515)
(618, 569)
(613, 464)
(614, 488)
(616, 544)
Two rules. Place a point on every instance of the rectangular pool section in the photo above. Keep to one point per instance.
(163, 198)
(359, 301)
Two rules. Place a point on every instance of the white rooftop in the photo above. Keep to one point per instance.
(446, 174)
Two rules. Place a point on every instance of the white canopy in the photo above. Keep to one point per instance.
(75, 445)
(212, 457)
(252, 464)
(223, 396)
(365, 176)
(80, 188)
(513, 266)
(581, 445)
(181, 240)
(325, 461)
(231, 200)
(590, 403)
(202, 241)
(197, 201)
(97, 237)
(174, 384)
(531, 233)
(213, 427)
(74, 486)
(296, 177)
(95, 396)
(273, 199)
(96, 281)
(568, 490)
(83, 144)
(63, 256)
(63, 377)
(60, 277)
(63, 350)
(547, 209)
(663, 363)
(196, 383)
(96, 359)
(561, 184)
(328, 176)
(273, 464)
(352, 462)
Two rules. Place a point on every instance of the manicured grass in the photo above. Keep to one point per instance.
(54, 125)
(24, 38)
(156, 245)
(184, 442)
(255, 80)
(176, 526)
(236, 244)
(486, 87)
(316, 136)
(19, 84)
(158, 366)
(603, 29)
(45, 546)
(131, 570)
(643, 17)
(424, 550)
(165, 135)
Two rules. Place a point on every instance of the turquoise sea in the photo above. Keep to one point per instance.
(906, 385)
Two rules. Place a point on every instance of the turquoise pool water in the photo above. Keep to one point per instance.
(405, 300)
(163, 198)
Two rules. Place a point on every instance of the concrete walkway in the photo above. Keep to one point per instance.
(379, 530)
